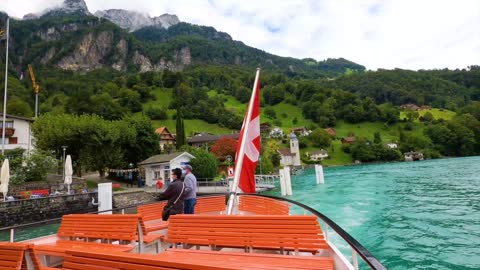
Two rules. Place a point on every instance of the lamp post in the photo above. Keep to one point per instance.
(260, 161)
(5, 92)
(64, 147)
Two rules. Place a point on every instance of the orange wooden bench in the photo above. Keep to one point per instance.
(151, 215)
(213, 204)
(194, 260)
(12, 255)
(19, 256)
(263, 206)
(98, 232)
(279, 232)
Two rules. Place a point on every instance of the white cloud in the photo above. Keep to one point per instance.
(378, 34)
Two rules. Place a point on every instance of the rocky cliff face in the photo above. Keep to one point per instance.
(180, 60)
(132, 20)
(90, 53)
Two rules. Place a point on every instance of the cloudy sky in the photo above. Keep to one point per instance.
(411, 34)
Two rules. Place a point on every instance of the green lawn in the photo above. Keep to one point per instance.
(437, 114)
(367, 129)
(163, 97)
(337, 156)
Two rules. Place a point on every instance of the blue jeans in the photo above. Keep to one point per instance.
(189, 207)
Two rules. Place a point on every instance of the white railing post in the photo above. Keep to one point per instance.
(355, 259)
(12, 235)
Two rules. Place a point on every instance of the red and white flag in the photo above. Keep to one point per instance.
(250, 140)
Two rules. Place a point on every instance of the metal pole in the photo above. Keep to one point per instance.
(36, 105)
(63, 163)
(12, 235)
(5, 92)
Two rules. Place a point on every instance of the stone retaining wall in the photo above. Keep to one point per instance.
(33, 210)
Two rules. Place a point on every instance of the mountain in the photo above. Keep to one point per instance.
(132, 20)
(68, 7)
(69, 37)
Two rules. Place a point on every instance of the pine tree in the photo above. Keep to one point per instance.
(180, 130)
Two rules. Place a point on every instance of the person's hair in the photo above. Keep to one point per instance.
(177, 172)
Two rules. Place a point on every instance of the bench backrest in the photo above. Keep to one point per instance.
(12, 255)
(151, 211)
(263, 206)
(110, 227)
(210, 204)
(269, 231)
(81, 260)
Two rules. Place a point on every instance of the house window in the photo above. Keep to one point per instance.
(8, 124)
(13, 140)
(157, 175)
(6, 140)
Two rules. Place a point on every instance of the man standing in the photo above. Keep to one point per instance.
(190, 190)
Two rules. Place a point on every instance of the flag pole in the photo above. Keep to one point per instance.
(240, 155)
(5, 92)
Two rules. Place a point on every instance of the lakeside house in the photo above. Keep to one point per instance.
(413, 156)
(265, 127)
(159, 166)
(318, 155)
(301, 131)
(18, 132)
(203, 139)
(331, 131)
(166, 138)
(410, 106)
(392, 145)
(348, 140)
(276, 132)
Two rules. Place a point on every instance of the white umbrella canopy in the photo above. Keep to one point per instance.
(68, 172)
(4, 178)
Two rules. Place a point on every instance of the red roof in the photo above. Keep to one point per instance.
(285, 152)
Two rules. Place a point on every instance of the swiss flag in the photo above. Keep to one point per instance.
(252, 142)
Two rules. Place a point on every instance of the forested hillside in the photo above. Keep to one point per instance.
(87, 65)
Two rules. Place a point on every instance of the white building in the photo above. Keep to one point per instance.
(318, 155)
(290, 157)
(392, 145)
(160, 166)
(18, 132)
(276, 132)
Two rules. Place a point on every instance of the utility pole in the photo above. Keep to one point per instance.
(5, 92)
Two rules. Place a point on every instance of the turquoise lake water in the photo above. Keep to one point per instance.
(417, 215)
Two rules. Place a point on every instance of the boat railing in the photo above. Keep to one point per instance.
(357, 248)
(121, 210)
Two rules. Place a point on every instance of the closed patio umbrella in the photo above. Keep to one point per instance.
(4, 178)
(68, 172)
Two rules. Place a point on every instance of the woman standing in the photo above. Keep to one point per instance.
(175, 194)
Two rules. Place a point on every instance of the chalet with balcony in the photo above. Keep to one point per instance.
(166, 138)
(18, 132)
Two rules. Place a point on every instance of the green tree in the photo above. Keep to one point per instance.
(204, 164)
(16, 106)
(377, 138)
(130, 99)
(270, 113)
(156, 113)
(411, 115)
(180, 139)
(320, 138)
